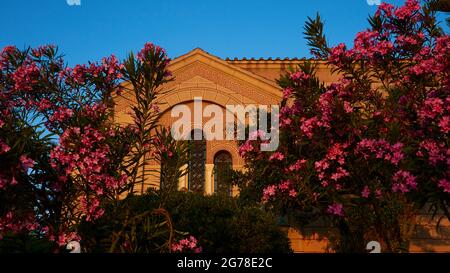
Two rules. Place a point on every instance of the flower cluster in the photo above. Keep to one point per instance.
(380, 149)
(407, 12)
(246, 148)
(277, 156)
(250, 146)
(11, 223)
(331, 168)
(104, 75)
(445, 185)
(26, 162)
(299, 76)
(26, 76)
(336, 209)
(431, 108)
(150, 51)
(62, 237)
(284, 188)
(436, 152)
(404, 182)
(5, 54)
(84, 157)
(189, 244)
(287, 113)
(297, 166)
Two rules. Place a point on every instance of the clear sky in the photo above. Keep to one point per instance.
(226, 28)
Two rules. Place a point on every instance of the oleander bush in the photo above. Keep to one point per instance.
(62, 158)
(370, 150)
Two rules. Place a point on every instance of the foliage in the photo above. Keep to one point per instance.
(218, 222)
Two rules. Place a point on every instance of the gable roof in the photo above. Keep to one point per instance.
(200, 55)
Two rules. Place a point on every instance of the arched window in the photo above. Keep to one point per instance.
(222, 171)
(197, 161)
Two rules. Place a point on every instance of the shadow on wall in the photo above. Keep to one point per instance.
(429, 236)
(311, 238)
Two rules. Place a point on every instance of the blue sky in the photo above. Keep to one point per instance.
(226, 28)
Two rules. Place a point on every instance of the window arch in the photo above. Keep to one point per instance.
(197, 161)
(223, 164)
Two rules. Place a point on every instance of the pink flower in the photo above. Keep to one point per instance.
(404, 182)
(276, 156)
(286, 114)
(44, 104)
(4, 148)
(436, 152)
(406, 41)
(4, 55)
(287, 92)
(308, 126)
(337, 54)
(298, 165)
(177, 248)
(365, 192)
(198, 250)
(336, 209)
(257, 134)
(408, 10)
(149, 49)
(245, 148)
(348, 107)
(189, 244)
(285, 185)
(293, 193)
(327, 105)
(41, 50)
(26, 76)
(340, 173)
(336, 151)
(431, 108)
(26, 162)
(268, 192)
(380, 149)
(13, 181)
(321, 165)
(192, 242)
(444, 124)
(445, 185)
(299, 76)
(64, 239)
(15, 223)
(61, 114)
(91, 208)
(385, 8)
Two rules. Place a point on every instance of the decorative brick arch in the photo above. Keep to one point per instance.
(230, 147)
(185, 95)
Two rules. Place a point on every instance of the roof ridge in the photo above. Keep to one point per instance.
(270, 59)
(224, 62)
